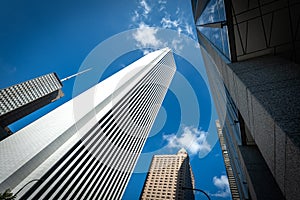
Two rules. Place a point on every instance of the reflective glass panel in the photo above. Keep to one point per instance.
(212, 24)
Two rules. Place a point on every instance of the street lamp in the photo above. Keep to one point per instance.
(26, 185)
(186, 188)
(8, 195)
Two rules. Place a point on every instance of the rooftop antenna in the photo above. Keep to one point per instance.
(77, 74)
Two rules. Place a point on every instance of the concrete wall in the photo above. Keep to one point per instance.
(266, 92)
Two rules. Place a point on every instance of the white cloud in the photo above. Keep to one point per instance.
(161, 8)
(223, 186)
(142, 12)
(162, 1)
(145, 7)
(136, 16)
(177, 11)
(188, 29)
(166, 22)
(146, 37)
(146, 51)
(192, 139)
(179, 30)
(162, 4)
(211, 18)
(212, 8)
(177, 45)
(175, 20)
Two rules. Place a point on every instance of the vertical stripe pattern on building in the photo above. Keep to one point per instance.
(94, 158)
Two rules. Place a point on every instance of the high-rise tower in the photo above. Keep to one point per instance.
(230, 174)
(88, 147)
(167, 176)
(22, 99)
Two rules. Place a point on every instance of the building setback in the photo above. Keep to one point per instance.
(88, 147)
(251, 52)
(167, 176)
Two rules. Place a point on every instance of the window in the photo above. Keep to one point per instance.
(212, 24)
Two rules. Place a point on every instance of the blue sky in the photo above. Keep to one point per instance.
(39, 37)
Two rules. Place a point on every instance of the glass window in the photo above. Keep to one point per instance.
(212, 24)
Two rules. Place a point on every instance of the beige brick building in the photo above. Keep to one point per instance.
(166, 177)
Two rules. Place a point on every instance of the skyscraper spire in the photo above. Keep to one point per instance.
(77, 74)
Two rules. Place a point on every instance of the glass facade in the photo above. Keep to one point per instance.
(232, 139)
(229, 124)
(212, 24)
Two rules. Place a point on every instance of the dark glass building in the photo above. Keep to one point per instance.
(22, 99)
(251, 54)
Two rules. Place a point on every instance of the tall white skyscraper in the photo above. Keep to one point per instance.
(87, 148)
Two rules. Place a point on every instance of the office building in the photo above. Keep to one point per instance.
(251, 54)
(22, 99)
(88, 147)
(229, 171)
(167, 176)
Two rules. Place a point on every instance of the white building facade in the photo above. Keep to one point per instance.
(87, 148)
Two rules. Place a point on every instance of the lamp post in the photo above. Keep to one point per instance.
(8, 195)
(26, 185)
(186, 188)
